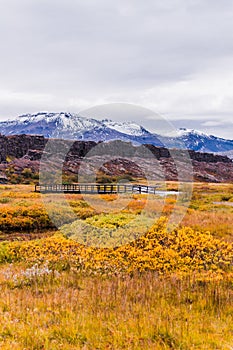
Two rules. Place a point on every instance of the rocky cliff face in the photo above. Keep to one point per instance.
(19, 146)
(20, 152)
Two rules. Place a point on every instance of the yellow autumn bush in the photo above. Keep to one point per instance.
(182, 250)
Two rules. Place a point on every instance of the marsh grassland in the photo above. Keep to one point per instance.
(162, 289)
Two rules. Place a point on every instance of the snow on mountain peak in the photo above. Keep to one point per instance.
(184, 131)
(65, 120)
(129, 128)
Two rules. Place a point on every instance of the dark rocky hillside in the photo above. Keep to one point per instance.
(20, 159)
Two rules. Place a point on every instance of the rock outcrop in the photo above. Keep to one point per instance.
(18, 152)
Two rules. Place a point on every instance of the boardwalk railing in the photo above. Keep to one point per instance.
(95, 188)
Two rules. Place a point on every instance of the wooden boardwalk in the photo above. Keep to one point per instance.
(95, 188)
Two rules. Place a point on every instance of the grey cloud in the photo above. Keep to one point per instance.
(92, 50)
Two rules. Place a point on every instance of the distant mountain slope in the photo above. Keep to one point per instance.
(75, 127)
(201, 142)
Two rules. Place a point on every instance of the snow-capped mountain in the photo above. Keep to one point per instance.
(48, 125)
(199, 141)
(75, 127)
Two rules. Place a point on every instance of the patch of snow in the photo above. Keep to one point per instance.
(129, 128)
(183, 132)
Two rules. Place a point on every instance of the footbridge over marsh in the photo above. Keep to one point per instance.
(93, 188)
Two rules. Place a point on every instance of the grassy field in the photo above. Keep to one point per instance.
(160, 289)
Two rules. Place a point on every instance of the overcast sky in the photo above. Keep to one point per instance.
(172, 56)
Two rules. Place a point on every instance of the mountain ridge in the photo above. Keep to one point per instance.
(76, 127)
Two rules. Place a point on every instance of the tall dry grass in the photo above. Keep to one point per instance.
(142, 311)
